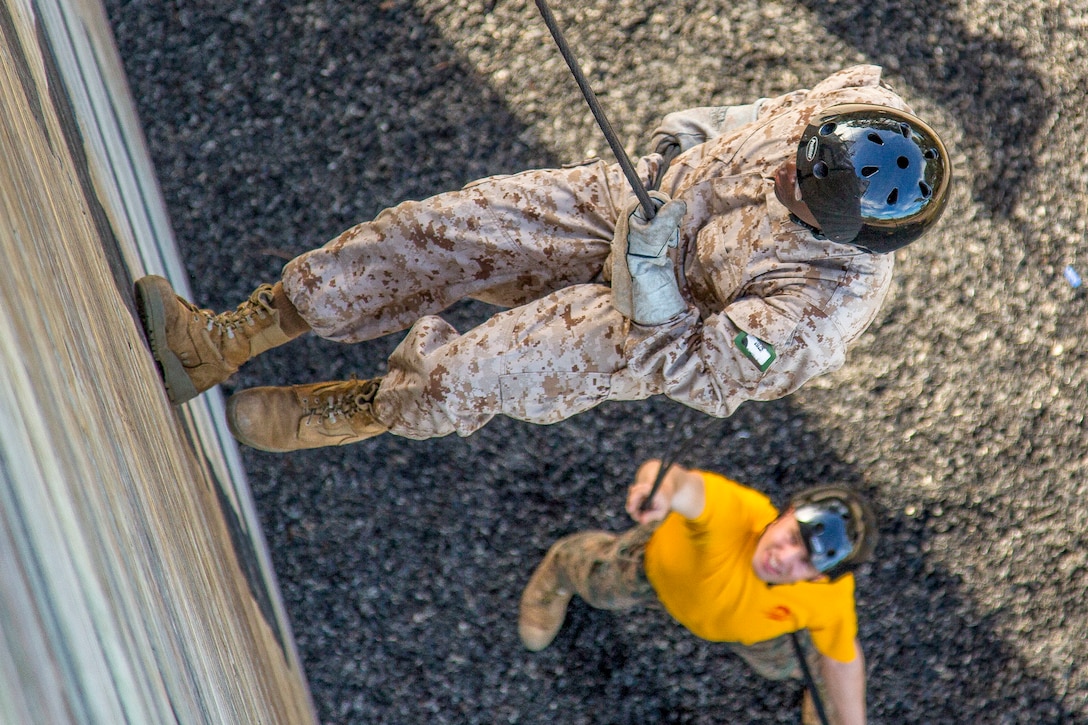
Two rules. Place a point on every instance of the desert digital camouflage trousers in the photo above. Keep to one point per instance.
(535, 242)
(606, 571)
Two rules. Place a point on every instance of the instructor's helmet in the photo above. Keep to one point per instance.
(838, 527)
(873, 176)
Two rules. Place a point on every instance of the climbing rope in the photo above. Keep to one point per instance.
(674, 447)
(809, 682)
(598, 113)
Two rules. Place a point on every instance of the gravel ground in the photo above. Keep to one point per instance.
(274, 126)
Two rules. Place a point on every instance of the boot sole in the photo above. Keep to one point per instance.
(152, 311)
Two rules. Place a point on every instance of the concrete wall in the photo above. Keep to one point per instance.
(134, 581)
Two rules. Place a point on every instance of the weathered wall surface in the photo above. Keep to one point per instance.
(134, 584)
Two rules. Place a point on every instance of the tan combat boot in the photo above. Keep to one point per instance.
(543, 604)
(198, 349)
(296, 417)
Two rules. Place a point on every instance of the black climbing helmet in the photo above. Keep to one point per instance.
(838, 527)
(872, 176)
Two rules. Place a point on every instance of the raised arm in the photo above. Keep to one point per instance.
(846, 687)
(681, 490)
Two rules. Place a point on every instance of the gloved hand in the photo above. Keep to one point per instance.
(649, 238)
(655, 297)
(644, 284)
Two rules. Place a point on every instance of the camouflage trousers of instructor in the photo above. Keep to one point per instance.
(606, 571)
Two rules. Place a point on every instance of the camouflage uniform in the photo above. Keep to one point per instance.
(538, 242)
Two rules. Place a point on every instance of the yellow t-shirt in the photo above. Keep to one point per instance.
(702, 572)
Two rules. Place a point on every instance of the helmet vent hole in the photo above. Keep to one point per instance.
(818, 529)
(930, 154)
(902, 162)
(893, 197)
(831, 553)
(868, 171)
(875, 138)
(926, 189)
(827, 129)
(904, 129)
(820, 170)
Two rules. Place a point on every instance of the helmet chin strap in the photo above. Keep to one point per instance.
(801, 222)
(820, 235)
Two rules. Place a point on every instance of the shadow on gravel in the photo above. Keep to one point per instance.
(407, 560)
(274, 126)
(933, 657)
(984, 80)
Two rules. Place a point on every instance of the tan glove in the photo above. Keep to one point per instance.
(644, 286)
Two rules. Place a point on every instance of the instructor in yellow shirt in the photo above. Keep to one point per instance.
(725, 564)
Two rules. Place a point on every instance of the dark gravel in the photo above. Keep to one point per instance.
(274, 126)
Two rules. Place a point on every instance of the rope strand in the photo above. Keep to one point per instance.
(598, 113)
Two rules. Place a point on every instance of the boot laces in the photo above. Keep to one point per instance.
(341, 398)
(259, 306)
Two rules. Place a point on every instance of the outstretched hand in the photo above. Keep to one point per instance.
(659, 506)
(681, 490)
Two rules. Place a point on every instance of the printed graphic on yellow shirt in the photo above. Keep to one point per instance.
(778, 614)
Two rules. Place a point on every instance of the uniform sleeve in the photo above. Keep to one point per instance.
(858, 76)
(696, 125)
(683, 130)
(854, 77)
